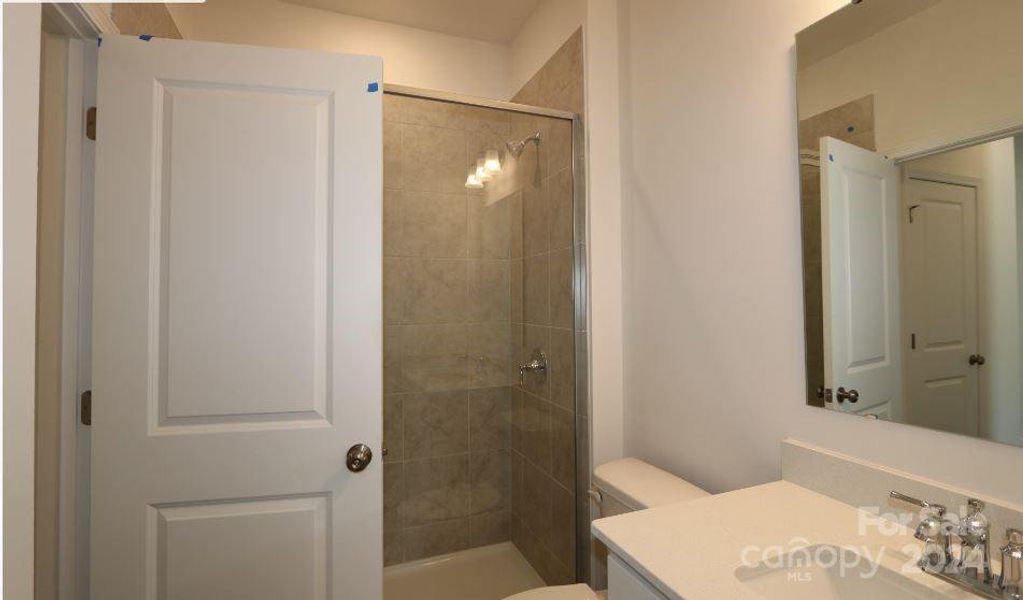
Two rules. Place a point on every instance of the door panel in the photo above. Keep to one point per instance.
(859, 227)
(272, 549)
(237, 218)
(941, 305)
(237, 323)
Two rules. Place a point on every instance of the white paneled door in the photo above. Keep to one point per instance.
(237, 323)
(942, 317)
(859, 226)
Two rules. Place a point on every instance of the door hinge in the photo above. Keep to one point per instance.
(912, 341)
(90, 123)
(86, 409)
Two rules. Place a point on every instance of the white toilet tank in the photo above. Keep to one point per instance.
(629, 484)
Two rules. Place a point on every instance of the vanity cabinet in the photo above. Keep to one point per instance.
(623, 583)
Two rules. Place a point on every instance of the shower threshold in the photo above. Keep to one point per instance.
(485, 573)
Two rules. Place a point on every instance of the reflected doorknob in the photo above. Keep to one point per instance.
(358, 457)
(977, 360)
(852, 395)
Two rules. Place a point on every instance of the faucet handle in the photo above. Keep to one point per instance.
(1011, 579)
(938, 509)
(974, 527)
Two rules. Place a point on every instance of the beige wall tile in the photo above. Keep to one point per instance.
(517, 462)
(515, 309)
(420, 111)
(392, 108)
(392, 155)
(393, 429)
(516, 221)
(518, 402)
(536, 500)
(535, 220)
(433, 159)
(562, 210)
(559, 146)
(435, 290)
(490, 482)
(489, 227)
(490, 419)
(434, 539)
(490, 528)
(490, 354)
(393, 482)
(563, 447)
(561, 359)
(393, 547)
(492, 123)
(394, 290)
(436, 489)
(489, 290)
(562, 305)
(392, 222)
(563, 526)
(436, 423)
(536, 432)
(564, 67)
(392, 359)
(535, 290)
(434, 357)
(434, 225)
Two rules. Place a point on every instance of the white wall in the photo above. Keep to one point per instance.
(411, 56)
(714, 371)
(546, 29)
(993, 165)
(964, 78)
(22, 30)
(601, 49)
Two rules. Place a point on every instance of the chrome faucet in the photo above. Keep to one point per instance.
(972, 571)
(933, 530)
(1011, 579)
(537, 363)
(975, 532)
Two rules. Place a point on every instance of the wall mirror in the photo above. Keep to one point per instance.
(911, 168)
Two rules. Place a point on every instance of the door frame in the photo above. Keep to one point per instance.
(978, 187)
(84, 24)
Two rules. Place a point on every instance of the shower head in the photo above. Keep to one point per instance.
(516, 148)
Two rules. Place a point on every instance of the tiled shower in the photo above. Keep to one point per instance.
(475, 281)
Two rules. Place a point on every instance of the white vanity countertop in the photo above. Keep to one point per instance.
(691, 550)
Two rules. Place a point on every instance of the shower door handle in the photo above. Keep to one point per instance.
(358, 457)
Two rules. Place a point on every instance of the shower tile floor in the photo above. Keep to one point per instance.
(486, 573)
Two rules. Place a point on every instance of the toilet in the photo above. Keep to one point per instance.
(622, 486)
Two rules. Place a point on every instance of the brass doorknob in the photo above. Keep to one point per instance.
(852, 395)
(358, 458)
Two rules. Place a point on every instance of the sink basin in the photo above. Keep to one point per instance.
(827, 572)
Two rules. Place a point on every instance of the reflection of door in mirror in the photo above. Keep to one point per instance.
(939, 283)
(964, 287)
(859, 240)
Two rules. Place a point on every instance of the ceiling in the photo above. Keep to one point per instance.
(488, 20)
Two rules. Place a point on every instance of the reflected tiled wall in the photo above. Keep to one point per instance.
(447, 332)
(545, 419)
